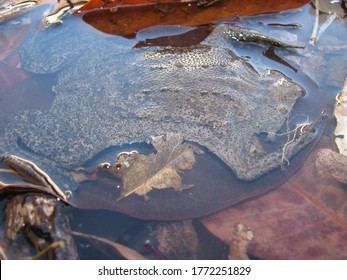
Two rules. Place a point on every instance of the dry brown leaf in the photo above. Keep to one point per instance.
(94, 4)
(142, 173)
(126, 21)
(177, 240)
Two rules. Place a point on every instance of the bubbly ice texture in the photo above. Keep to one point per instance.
(108, 95)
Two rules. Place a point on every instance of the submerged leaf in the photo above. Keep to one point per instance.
(120, 249)
(331, 165)
(142, 173)
(304, 219)
(177, 240)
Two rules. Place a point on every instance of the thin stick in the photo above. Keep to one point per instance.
(344, 88)
(316, 24)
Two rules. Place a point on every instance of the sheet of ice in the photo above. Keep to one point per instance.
(109, 95)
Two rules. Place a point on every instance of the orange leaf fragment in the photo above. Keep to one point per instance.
(95, 4)
(126, 20)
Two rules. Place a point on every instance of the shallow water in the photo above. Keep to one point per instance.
(21, 90)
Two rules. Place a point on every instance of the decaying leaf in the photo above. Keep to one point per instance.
(126, 21)
(304, 219)
(39, 219)
(331, 165)
(95, 4)
(177, 240)
(142, 173)
(340, 113)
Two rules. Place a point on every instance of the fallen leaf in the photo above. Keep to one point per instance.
(42, 222)
(142, 173)
(31, 173)
(94, 4)
(331, 165)
(304, 219)
(177, 240)
(126, 21)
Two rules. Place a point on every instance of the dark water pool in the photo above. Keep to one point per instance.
(319, 69)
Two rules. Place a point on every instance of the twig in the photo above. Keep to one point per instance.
(303, 128)
(316, 24)
(310, 126)
(344, 88)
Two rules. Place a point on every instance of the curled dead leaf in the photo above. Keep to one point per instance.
(31, 173)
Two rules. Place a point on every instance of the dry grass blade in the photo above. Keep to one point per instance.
(54, 245)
